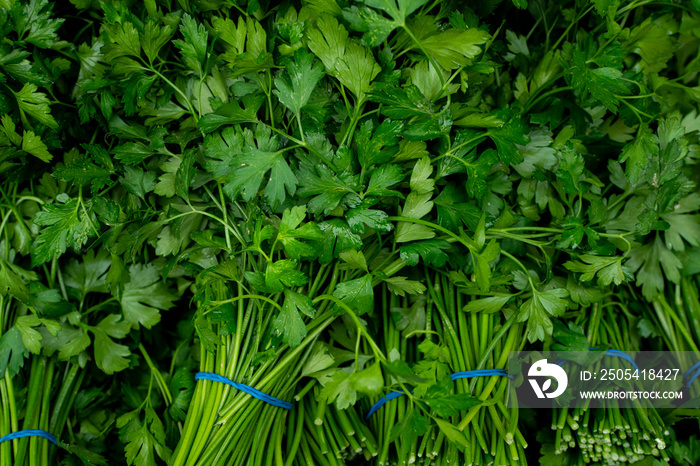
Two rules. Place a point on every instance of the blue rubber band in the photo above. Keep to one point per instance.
(692, 368)
(382, 401)
(30, 433)
(620, 354)
(244, 388)
(457, 375)
(691, 377)
(479, 373)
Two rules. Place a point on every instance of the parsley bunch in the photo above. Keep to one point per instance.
(441, 418)
(606, 434)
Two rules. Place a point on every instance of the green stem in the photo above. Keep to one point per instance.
(521, 265)
(311, 150)
(361, 328)
(245, 296)
(573, 23)
(428, 56)
(351, 127)
(435, 226)
(545, 95)
(206, 214)
(159, 377)
(680, 326)
(460, 145)
(301, 130)
(176, 89)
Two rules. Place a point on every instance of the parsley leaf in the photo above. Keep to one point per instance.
(82, 171)
(283, 273)
(143, 438)
(339, 390)
(357, 294)
(353, 65)
(506, 137)
(376, 26)
(138, 182)
(402, 286)
(418, 204)
(194, 47)
(67, 223)
(111, 357)
(609, 269)
(604, 84)
(12, 352)
(653, 263)
(636, 154)
(290, 233)
(145, 296)
(430, 251)
(36, 105)
(338, 236)
(359, 219)
(243, 161)
(453, 210)
(288, 322)
(537, 310)
(295, 86)
(329, 189)
(369, 380)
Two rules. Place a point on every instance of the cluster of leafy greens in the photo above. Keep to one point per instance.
(329, 201)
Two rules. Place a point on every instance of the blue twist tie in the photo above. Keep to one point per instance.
(457, 375)
(691, 377)
(30, 433)
(244, 388)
